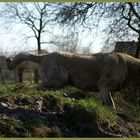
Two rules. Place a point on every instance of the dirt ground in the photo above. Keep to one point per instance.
(30, 115)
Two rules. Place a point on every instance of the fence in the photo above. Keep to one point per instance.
(27, 72)
(7, 76)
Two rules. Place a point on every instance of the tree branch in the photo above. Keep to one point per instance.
(129, 19)
(133, 10)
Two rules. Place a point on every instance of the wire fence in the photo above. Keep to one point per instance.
(7, 76)
(29, 73)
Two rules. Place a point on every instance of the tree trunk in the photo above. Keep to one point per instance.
(38, 43)
(36, 73)
(39, 46)
(138, 48)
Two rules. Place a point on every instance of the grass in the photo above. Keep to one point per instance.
(69, 107)
(129, 105)
(8, 126)
(81, 112)
(55, 97)
(34, 122)
(6, 89)
(94, 108)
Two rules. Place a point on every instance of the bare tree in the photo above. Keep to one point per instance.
(35, 16)
(66, 42)
(124, 23)
(123, 18)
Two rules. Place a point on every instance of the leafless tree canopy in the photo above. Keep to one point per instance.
(123, 18)
(34, 15)
(66, 42)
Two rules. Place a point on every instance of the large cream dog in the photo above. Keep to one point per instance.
(103, 72)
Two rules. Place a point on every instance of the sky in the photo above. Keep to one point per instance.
(13, 39)
(11, 43)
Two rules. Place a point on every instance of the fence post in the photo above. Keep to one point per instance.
(36, 76)
(20, 75)
(0, 75)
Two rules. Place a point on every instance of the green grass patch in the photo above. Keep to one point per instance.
(55, 98)
(6, 89)
(92, 107)
(69, 107)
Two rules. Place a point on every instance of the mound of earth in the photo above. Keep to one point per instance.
(25, 112)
